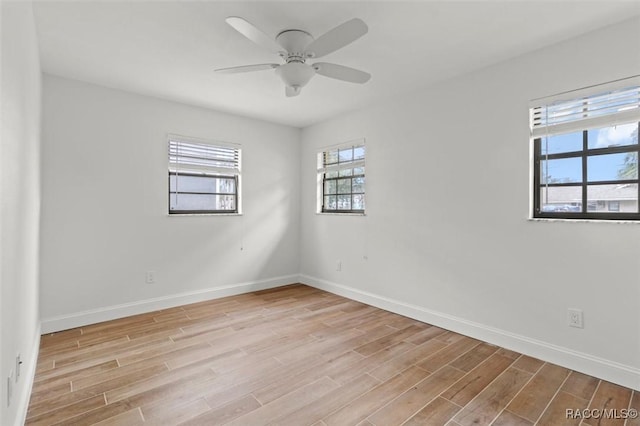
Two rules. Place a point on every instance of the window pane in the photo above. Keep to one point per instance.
(344, 186)
(330, 175)
(358, 153)
(561, 143)
(358, 171)
(612, 166)
(358, 184)
(330, 202)
(625, 134)
(344, 202)
(225, 202)
(201, 184)
(561, 199)
(187, 183)
(330, 187)
(614, 198)
(629, 168)
(226, 186)
(201, 202)
(358, 202)
(346, 172)
(331, 157)
(346, 155)
(565, 170)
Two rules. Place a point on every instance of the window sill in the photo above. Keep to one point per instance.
(202, 214)
(612, 221)
(339, 214)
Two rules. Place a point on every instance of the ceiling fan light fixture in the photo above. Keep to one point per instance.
(292, 91)
(295, 74)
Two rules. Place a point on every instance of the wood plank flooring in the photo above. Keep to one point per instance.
(299, 356)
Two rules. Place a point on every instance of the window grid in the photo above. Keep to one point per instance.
(228, 199)
(343, 180)
(585, 208)
(336, 194)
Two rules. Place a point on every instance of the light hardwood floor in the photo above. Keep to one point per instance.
(299, 356)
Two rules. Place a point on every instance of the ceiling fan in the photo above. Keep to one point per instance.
(295, 47)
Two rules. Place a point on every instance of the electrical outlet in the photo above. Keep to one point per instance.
(18, 365)
(339, 265)
(151, 277)
(575, 318)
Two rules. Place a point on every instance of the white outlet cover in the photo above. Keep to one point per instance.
(575, 318)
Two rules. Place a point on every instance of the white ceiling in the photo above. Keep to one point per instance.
(169, 49)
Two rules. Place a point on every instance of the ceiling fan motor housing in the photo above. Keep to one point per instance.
(295, 42)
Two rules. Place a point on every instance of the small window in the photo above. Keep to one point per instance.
(203, 177)
(586, 156)
(341, 179)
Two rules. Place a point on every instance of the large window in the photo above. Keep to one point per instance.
(203, 177)
(341, 178)
(586, 155)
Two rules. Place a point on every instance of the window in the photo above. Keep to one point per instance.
(341, 178)
(203, 177)
(586, 154)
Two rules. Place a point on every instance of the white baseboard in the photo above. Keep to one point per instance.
(611, 371)
(614, 372)
(78, 319)
(30, 362)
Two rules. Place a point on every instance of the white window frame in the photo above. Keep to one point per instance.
(322, 169)
(208, 166)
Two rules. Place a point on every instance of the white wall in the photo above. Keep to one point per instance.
(447, 238)
(105, 221)
(20, 90)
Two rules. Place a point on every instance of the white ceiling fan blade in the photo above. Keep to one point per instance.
(291, 91)
(338, 37)
(251, 32)
(340, 72)
(246, 68)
